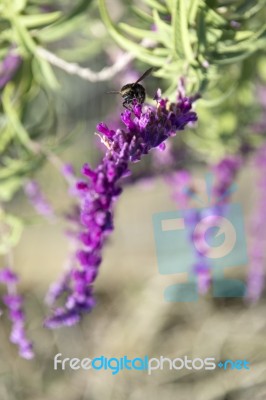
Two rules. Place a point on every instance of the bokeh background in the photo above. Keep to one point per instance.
(131, 317)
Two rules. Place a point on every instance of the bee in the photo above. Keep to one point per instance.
(133, 91)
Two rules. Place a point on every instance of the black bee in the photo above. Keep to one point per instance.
(133, 91)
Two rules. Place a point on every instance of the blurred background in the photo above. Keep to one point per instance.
(59, 111)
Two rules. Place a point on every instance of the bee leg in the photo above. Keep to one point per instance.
(125, 106)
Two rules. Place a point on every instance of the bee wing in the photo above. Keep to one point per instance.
(146, 73)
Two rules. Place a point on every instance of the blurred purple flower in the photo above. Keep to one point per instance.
(256, 276)
(183, 190)
(225, 172)
(8, 68)
(8, 277)
(14, 303)
(58, 288)
(36, 197)
(235, 24)
(146, 127)
(181, 183)
(68, 171)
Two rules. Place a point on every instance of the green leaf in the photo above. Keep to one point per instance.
(5, 138)
(249, 8)
(137, 49)
(59, 31)
(79, 9)
(213, 18)
(161, 51)
(156, 5)
(35, 21)
(201, 33)
(23, 35)
(181, 32)
(252, 43)
(213, 34)
(19, 5)
(170, 69)
(164, 30)
(139, 33)
(142, 14)
(67, 24)
(7, 35)
(243, 35)
(48, 76)
(230, 57)
(169, 4)
(13, 117)
(193, 9)
(11, 228)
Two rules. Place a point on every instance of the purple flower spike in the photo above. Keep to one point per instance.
(62, 317)
(146, 127)
(14, 303)
(257, 273)
(7, 276)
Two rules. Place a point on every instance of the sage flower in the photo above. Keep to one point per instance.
(146, 128)
(14, 304)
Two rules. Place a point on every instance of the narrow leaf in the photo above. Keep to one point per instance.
(138, 50)
(138, 33)
(35, 21)
(142, 14)
(193, 9)
(181, 32)
(156, 5)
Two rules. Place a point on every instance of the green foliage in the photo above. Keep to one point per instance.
(24, 27)
(191, 38)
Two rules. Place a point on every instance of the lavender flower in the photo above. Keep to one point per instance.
(145, 128)
(8, 68)
(256, 276)
(35, 196)
(181, 184)
(14, 303)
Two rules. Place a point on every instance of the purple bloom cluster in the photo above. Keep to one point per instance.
(14, 303)
(8, 68)
(146, 127)
(35, 196)
(256, 277)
